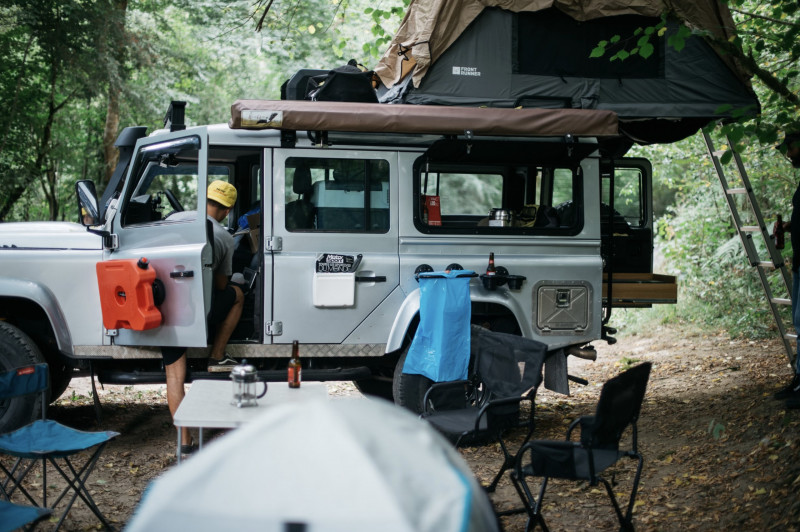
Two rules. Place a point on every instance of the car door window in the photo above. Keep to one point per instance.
(340, 195)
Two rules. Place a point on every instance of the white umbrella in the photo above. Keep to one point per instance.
(360, 464)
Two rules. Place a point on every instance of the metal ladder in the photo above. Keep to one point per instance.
(746, 232)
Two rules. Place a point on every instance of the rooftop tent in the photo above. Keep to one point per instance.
(535, 53)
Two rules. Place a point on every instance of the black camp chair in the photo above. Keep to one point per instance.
(598, 449)
(48, 441)
(506, 370)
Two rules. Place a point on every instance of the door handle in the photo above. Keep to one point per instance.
(370, 279)
(181, 275)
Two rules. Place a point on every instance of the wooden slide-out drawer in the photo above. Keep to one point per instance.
(641, 289)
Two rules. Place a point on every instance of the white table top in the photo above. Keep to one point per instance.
(208, 403)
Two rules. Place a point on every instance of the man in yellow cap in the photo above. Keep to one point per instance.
(228, 298)
(226, 302)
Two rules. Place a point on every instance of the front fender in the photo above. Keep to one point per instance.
(408, 311)
(46, 300)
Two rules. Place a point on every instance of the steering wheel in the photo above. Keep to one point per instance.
(173, 201)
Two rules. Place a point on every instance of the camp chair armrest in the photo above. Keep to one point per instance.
(428, 401)
(586, 423)
(494, 404)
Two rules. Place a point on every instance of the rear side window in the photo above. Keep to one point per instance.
(337, 195)
(454, 198)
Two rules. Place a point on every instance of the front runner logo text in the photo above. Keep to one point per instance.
(466, 71)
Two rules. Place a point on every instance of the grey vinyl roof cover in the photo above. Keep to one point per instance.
(535, 53)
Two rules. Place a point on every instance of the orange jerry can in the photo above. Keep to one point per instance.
(126, 294)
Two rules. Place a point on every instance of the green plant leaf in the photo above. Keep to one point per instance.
(598, 51)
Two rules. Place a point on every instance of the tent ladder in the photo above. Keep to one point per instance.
(764, 267)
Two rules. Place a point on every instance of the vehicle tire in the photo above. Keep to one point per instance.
(17, 349)
(409, 390)
(381, 383)
(376, 387)
(60, 377)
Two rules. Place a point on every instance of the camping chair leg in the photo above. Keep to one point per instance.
(78, 485)
(508, 463)
(44, 482)
(16, 480)
(636, 478)
(623, 523)
(626, 521)
(531, 506)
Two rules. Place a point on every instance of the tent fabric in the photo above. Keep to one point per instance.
(419, 119)
(536, 54)
(430, 27)
(346, 464)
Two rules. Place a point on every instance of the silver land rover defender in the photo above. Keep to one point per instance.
(340, 206)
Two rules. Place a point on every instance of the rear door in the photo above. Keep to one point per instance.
(162, 216)
(335, 216)
(626, 223)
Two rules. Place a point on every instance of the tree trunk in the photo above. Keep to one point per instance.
(110, 153)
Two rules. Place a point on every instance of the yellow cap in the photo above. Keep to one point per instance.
(222, 192)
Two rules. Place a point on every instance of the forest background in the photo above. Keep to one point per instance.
(73, 73)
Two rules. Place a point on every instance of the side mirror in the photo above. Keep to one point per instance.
(87, 203)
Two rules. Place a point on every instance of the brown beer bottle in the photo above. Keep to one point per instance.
(490, 269)
(295, 370)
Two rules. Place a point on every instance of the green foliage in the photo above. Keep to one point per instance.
(767, 47)
(695, 236)
(628, 363)
(696, 241)
(716, 429)
(61, 59)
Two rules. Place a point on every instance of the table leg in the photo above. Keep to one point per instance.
(180, 443)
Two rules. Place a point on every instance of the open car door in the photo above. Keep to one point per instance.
(626, 227)
(162, 217)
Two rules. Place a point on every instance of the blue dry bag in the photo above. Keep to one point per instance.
(440, 349)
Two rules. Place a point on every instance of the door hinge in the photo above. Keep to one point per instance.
(274, 328)
(112, 241)
(273, 243)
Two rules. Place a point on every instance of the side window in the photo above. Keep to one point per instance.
(341, 195)
(464, 193)
(628, 194)
(514, 199)
(562, 185)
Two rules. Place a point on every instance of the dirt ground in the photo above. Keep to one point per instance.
(720, 453)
